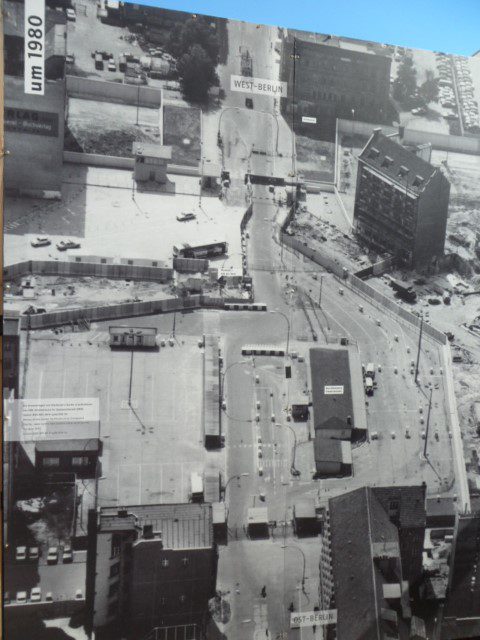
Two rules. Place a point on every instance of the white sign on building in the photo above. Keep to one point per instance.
(333, 390)
(313, 618)
(258, 86)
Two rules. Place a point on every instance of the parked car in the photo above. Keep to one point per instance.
(185, 217)
(67, 554)
(71, 15)
(111, 65)
(52, 556)
(33, 553)
(78, 594)
(41, 242)
(63, 245)
(20, 553)
(21, 597)
(249, 103)
(35, 594)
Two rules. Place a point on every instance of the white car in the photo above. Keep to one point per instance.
(52, 556)
(21, 597)
(111, 65)
(35, 594)
(20, 553)
(71, 15)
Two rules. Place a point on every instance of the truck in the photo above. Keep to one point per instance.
(370, 371)
(98, 61)
(368, 384)
(201, 251)
(196, 487)
(404, 290)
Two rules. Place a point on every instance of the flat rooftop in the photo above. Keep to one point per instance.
(331, 388)
(182, 526)
(149, 150)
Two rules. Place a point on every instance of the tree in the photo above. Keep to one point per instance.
(429, 90)
(193, 31)
(197, 74)
(405, 85)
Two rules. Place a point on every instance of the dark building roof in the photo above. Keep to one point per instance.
(327, 449)
(330, 367)
(441, 507)
(366, 564)
(391, 159)
(463, 598)
(410, 500)
(182, 526)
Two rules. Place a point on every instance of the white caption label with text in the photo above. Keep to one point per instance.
(35, 47)
(313, 618)
(259, 86)
(334, 390)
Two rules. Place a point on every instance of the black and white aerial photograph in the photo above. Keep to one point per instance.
(241, 340)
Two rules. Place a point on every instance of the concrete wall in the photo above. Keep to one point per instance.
(34, 162)
(117, 311)
(91, 89)
(353, 127)
(460, 144)
(84, 269)
(97, 160)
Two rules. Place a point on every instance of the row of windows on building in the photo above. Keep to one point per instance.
(76, 461)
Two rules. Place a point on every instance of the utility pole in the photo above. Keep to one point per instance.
(419, 347)
(320, 293)
(428, 423)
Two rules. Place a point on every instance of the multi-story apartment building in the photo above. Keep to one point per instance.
(150, 566)
(333, 80)
(401, 203)
(366, 571)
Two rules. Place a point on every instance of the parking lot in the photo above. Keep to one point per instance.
(143, 226)
(88, 34)
(165, 391)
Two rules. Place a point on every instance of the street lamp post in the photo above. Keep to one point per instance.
(288, 327)
(293, 470)
(236, 477)
(294, 546)
(222, 377)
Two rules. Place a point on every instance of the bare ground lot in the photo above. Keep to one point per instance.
(315, 158)
(98, 211)
(182, 131)
(109, 128)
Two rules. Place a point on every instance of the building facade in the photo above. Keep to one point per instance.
(461, 614)
(154, 566)
(401, 203)
(34, 124)
(330, 81)
(366, 572)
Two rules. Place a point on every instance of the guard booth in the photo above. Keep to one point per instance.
(151, 162)
(300, 406)
(133, 337)
(305, 520)
(211, 178)
(219, 521)
(258, 522)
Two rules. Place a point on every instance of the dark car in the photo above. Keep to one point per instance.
(249, 103)
(68, 244)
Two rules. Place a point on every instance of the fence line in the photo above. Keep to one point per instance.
(85, 269)
(117, 311)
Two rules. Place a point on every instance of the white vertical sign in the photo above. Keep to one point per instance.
(35, 47)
